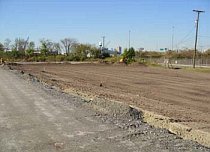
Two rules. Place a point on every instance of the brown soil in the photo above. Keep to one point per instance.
(181, 95)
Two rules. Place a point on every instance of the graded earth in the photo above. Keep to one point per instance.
(38, 118)
(184, 96)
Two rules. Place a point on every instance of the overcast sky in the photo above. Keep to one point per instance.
(150, 21)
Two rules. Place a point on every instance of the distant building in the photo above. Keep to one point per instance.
(119, 50)
(141, 49)
(108, 51)
(7, 50)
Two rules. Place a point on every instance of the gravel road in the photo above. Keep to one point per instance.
(34, 118)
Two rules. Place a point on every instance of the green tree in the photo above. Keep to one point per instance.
(31, 45)
(128, 55)
(1, 47)
(31, 48)
(94, 52)
(131, 53)
(15, 54)
(46, 46)
(29, 52)
(82, 50)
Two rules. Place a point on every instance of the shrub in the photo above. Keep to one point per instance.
(41, 59)
(59, 58)
(51, 58)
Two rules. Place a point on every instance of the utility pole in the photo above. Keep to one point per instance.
(129, 40)
(172, 39)
(103, 44)
(103, 40)
(196, 35)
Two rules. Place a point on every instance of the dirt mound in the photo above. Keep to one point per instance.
(136, 64)
(119, 64)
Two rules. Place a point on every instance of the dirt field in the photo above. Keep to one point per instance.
(183, 96)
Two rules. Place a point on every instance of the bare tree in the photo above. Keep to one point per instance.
(47, 44)
(7, 44)
(57, 47)
(21, 44)
(68, 43)
(26, 44)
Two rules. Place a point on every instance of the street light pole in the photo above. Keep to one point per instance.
(129, 40)
(103, 41)
(196, 35)
(172, 40)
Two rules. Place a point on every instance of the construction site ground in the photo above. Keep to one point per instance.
(183, 96)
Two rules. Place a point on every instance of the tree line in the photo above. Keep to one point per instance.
(66, 49)
(69, 49)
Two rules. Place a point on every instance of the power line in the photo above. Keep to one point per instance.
(190, 39)
(203, 36)
(186, 37)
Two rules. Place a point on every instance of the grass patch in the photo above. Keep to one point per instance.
(198, 69)
(152, 64)
(112, 59)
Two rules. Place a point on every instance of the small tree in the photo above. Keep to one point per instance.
(57, 48)
(46, 46)
(7, 43)
(128, 55)
(20, 44)
(30, 49)
(1, 47)
(94, 52)
(31, 45)
(131, 53)
(67, 44)
(29, 52)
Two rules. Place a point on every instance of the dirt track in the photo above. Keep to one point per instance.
(181, 95)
